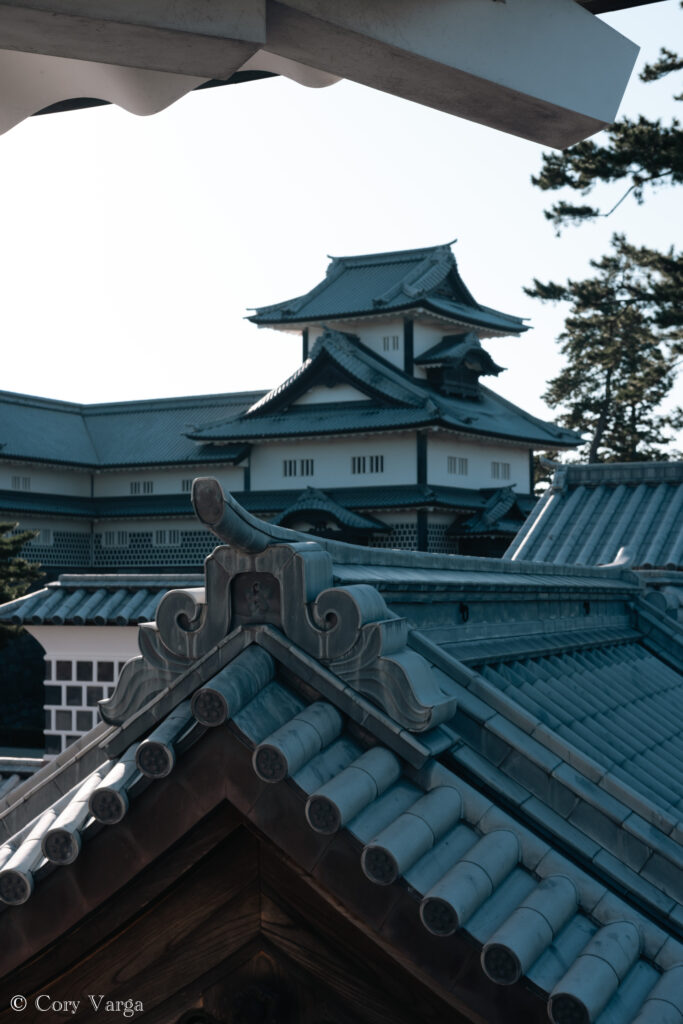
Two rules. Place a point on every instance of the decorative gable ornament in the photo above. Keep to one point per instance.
(266, 576)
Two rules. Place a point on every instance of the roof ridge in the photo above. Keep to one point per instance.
(399, 254)
(86, 409)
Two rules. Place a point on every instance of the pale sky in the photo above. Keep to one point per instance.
(132, 247)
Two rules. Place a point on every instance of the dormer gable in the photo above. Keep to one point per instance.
(456, 363)
(339, 362)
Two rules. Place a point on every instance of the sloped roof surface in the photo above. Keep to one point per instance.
(16, 768)
(386, 496)
(97, 600)
(467, 862)
(494, 513)
(546, 788)
(395, 400)
(313, 500)
(382, 282)
(590, 513)
(111, 434)
(454, 348)
(631, 729)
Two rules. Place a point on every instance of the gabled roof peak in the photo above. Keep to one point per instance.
(408, 280)
(393, 256)
(354, 361)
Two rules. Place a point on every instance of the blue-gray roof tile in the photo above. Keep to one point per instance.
(116, 433)
(487, 816)
(314, 501)
(95, 600)
(391, 282)
(590, 513)
(395, 400)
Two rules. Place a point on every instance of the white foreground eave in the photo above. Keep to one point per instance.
(545, 70)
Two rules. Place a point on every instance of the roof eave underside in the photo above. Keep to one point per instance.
(504, 327)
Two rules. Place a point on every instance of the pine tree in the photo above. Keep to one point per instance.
(622, 335)
(16, 573)
(621, 347)
(646, 153)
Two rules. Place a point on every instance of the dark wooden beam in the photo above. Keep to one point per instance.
(421, 454)
(408, 345)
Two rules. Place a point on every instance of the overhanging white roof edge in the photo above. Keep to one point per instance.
(546, 70)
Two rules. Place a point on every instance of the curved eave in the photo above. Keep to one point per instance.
(197, 458)
(514, 326)
(428, 421)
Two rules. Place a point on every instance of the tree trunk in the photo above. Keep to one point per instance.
(602, 419)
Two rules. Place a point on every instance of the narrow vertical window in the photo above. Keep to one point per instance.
(289, 467)
(390, 342)
(367, 464)
(457, 465)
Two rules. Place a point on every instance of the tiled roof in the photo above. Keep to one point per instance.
(467, 863)
(34, 503)
(395, 400)
(630, 731)
(113, 434)
(313, 500)
(494, 513)
(15, 769)
(590, 513)
(31, 502)
(387, 496)
(95, 600)
(392, 281)
(326, 419)
(453, 349)
(515, 774)
(378, 378)
(266, 502)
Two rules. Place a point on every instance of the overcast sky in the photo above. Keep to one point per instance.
(133, 247)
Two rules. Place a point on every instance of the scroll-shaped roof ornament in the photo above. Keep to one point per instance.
(266, 575)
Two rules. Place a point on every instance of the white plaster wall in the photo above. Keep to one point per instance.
(110, 484)
(87, 643)
(45, 481)
(480, 455)
(70, 705)
(339, 393)
(332, 462)
(371, 334)
(426, 336)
